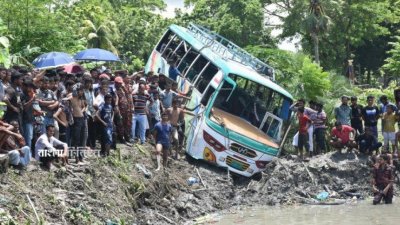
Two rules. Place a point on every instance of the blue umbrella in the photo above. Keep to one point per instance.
(52, 59)
(96, 54)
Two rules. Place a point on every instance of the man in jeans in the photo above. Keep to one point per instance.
(48, 103)
(319, 120)
(139, 115)
(28, 97)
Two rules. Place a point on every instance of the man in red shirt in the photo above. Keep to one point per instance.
(304, 123)
(343, 136)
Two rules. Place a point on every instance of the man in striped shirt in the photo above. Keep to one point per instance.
(139, 114)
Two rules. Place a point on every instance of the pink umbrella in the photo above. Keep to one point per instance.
(73, 68)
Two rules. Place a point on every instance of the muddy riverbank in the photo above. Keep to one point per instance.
(125, 189)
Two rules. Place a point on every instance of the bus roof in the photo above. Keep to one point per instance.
(227, 65)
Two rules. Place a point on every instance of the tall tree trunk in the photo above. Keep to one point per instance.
(316, 46)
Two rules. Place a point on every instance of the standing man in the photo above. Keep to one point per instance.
(48, 103)
(105, 115)
(78, 105)
(13, 98)
(167, 96)
(28, 98)
(370, 114)
(173, 71)
(162, 133)
(140, 113)
(123, 128)
(176, 117)
(90, 112)
(385, 103)
(319, 128)
(304, 123)
(356, 115)
(310, 113)
(343, 112)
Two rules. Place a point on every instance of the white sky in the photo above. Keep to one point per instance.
(289, 45)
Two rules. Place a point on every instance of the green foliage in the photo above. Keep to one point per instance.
(295, 72)
(101, 36)
(238, 21)
(79, 215)
(392, 63)
(350, 28)
(315, 82)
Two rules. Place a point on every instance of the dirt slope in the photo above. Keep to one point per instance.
(117, 191)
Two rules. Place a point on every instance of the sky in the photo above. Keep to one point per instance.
(289, 45)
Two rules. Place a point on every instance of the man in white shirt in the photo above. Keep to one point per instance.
(48, 148)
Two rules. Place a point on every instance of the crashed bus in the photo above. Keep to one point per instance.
(241, 115)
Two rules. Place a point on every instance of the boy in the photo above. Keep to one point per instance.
(106, 117)
(162, 132)
(382, 181)
(304, 123)
(389, 120)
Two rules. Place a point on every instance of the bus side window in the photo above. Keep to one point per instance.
(196, 69)
(207, 95)
(164, 41)
(187, 60)
(206, 77)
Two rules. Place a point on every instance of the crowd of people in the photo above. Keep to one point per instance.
(54, 116)
(355, 129)
(51, 116)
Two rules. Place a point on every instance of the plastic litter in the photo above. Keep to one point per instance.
(145, 171)
(323, 196)
(192, 180)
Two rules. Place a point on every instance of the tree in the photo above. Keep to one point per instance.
(350, 28)
(4, 46)
(316, 23)
(295, 72)
(392, 63)
(102, 36)
(239, 21)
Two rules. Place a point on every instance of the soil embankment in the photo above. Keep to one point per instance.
(125, 189)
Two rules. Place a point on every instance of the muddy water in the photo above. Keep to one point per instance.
(361, 213)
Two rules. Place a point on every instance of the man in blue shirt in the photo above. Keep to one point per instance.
(106, 117)
(173, 72)
(162, 134)
(343, 112)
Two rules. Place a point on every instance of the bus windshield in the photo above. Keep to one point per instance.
(259, 105)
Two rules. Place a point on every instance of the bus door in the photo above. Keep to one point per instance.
(195, 124)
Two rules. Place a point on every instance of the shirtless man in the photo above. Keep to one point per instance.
(176, 117)
(78, 105)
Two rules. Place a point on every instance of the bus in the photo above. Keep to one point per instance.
(241, 116)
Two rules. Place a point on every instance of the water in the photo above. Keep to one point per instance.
(361, 213)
